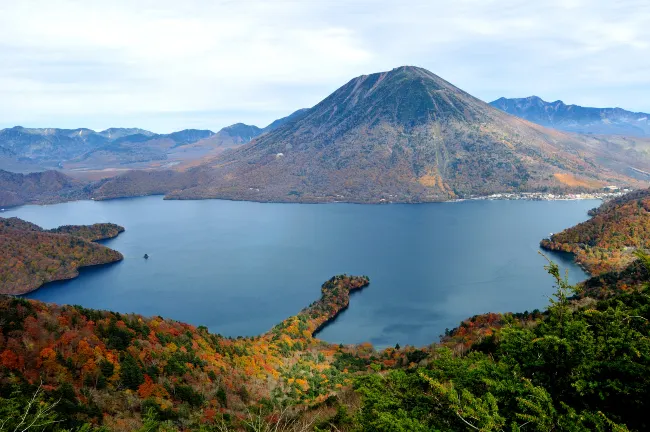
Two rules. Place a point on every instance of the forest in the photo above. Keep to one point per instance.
(31, 256)
(582, 364)
(609, 239)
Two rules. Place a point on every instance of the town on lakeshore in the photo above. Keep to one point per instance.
(607, 193)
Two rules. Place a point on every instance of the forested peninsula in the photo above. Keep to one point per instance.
(31, 256)
(609, 240)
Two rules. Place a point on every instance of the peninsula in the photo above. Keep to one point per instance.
(32, 256)
(608, 241)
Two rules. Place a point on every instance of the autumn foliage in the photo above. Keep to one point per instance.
(114, 367)
(608, 240)
(31, 256)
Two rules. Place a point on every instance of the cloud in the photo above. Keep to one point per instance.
(166, 65)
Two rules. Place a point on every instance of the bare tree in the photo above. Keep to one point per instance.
(35, 415)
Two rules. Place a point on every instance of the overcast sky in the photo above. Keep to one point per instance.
(166, 65)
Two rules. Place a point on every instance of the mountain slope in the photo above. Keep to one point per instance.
(38, 188)
(95, 370)
(284, 120)
(575, 118)
(175, 368)
(408, 136)
(143, 182)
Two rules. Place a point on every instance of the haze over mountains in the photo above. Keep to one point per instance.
(405, 135)
(575, 118)
(56, 148)
(33, 149)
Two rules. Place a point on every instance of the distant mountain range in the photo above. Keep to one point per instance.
(575, 118)
(34, 149)
(409, 136)
(57, 147)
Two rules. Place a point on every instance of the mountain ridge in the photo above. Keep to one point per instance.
(576, 118)
(39, 149)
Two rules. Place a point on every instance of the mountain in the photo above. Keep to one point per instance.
(575, 118)
(233, 135)
(49, 144)
(187, 136)
(240, 133)
(58, 148)
(409, 136)
(38, 188)
(31, 256)
(115, 133)
(84, 150)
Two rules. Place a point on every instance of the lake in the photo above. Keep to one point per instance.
(241, 267)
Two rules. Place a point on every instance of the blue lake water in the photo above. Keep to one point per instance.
(241, 267)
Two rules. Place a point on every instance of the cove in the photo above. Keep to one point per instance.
(241, 267)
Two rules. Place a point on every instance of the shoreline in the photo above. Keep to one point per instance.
(68, 264)
(337, 313)
(78, 271)
(506, 196)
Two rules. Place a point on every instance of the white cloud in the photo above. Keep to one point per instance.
(167, 64)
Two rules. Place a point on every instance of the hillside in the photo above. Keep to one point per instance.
(608, 240)
(143, 182)
(409, 136)
(548, 371)
(575, 118)
(31, 256)
(109, 362)
(38, 188)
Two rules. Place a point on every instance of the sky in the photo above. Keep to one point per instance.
(168, 65)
